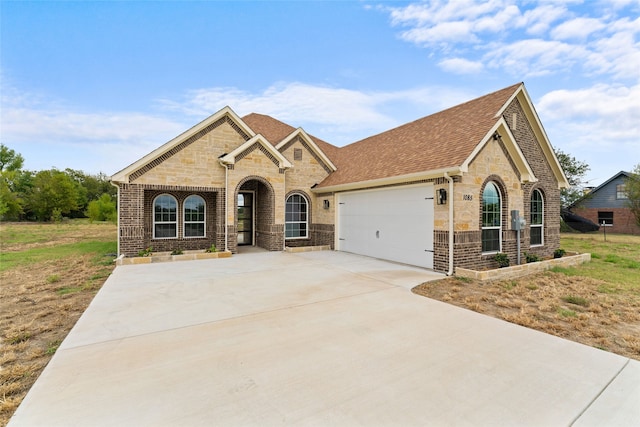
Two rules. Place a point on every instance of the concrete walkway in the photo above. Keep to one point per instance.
(317, 338)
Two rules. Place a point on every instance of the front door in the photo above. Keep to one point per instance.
(245, 218)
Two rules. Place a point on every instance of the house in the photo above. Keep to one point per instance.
(436, 193)
(607, 205)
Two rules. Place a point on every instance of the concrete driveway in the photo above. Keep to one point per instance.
(315, 338)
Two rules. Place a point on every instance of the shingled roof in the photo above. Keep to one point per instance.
(436, 142)
(275, 131)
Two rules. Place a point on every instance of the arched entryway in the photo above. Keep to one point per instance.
(255, 215)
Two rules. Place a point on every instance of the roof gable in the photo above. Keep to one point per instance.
(594, 193)
(502, 132)
(300, 133)
(276, 131)
(267, 148)
(156, 156)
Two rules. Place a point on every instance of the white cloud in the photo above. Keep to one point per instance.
(461, 66)
(599, 116)
(579, 28)
(32, 124)
(534, 57)
(49, 133)
(498, 33)
(294, 102)
(537, 21)
(337, 115)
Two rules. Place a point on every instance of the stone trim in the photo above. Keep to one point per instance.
(523, 269)
(253, 147)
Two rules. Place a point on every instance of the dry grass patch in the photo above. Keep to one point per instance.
(597, 304)
(49, 275)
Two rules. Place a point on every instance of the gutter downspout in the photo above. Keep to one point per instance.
(451, 228)
(118, 214)
(226, 204)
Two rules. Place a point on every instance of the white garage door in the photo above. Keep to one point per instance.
(395, 224)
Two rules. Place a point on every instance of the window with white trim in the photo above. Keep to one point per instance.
(194, 216)
(621, 192)
(165, 217)
(491, 219)
(605, 218)
(296, 217)
(536, 222)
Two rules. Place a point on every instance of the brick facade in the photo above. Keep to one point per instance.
(201, 164)
(623, 220)
(193, 167)
(494, 164)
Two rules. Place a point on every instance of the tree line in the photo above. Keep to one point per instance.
(50, 195)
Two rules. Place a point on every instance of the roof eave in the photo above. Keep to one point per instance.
(380, 182)
(541, 135)
(122, 176)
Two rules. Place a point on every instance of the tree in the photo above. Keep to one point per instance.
(11, 201)
(632, 188)
(9, 160)
(103, 209)
(54, 194)
(90, 188)
(575, 171)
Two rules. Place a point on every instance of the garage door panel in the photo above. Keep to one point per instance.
(394, 224)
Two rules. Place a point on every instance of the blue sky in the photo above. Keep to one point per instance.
(96, 85)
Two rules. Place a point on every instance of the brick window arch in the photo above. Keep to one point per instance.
(296, 217)
(165, 217)
(536, 220)
(491, 206)
(194, 216)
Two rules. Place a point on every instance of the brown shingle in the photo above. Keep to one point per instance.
(275, 131)
(441, 140)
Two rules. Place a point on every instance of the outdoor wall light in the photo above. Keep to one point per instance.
(442, 196)
(325, 204)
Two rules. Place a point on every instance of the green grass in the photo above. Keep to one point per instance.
(615, 261)
(566, 313)
(572, 299)
(15, 259)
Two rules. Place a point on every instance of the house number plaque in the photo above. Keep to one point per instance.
(467, 197)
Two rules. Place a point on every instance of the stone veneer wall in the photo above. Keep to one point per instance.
(494, 164)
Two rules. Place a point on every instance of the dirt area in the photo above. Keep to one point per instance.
(39, 304)
(577, 308)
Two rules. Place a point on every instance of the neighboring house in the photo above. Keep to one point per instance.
(607, 206)
(437, 192)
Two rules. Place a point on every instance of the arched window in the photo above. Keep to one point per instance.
(491, 218)
(165, 217)
(537, 219)
(296, 217)
(194, 216)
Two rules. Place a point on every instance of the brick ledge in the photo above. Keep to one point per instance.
(523, 269)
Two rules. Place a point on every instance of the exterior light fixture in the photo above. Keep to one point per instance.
(442, 196)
